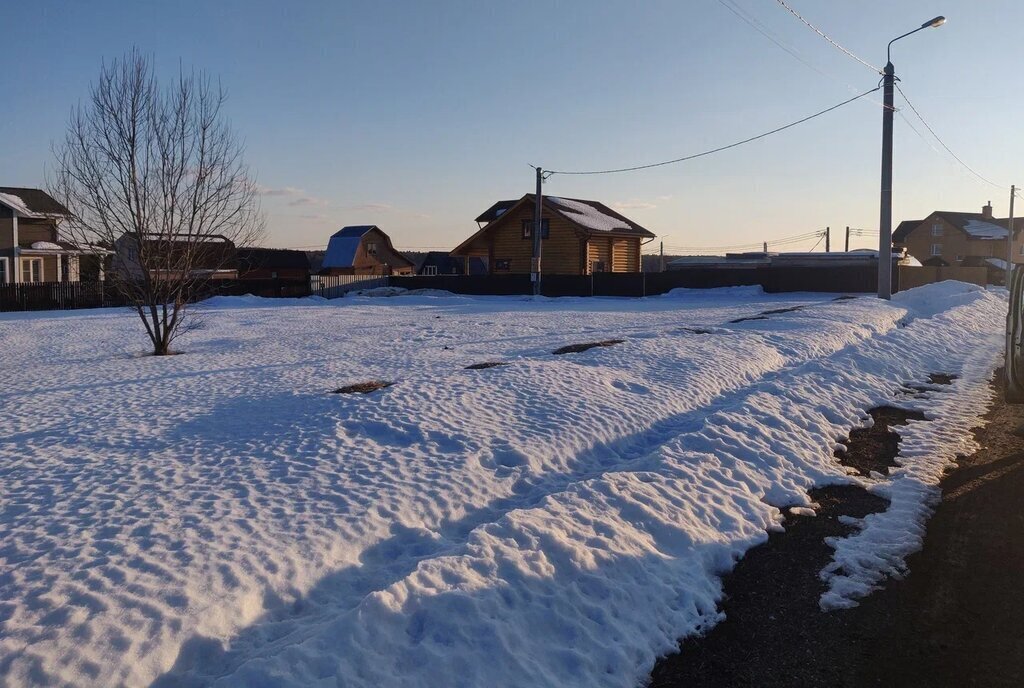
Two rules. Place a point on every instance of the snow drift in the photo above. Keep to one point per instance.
(219, 518)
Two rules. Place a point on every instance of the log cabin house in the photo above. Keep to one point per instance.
(579, 237)
(364, 250)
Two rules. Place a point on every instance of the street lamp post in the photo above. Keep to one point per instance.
(885, 216)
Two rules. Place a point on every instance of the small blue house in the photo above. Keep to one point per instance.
(364, 250)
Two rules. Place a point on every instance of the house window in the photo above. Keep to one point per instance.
(597, 266)
(936, 249)
(371, 247)
(31, 269)
(545, 230)
(430, 270)
(937, 229)
(5, 275)
(502, 265)
(1022, 249)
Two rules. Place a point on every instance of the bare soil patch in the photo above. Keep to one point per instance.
(577, 348)
(875, 448)
(485, 365)
(774, 633)
(364, 387)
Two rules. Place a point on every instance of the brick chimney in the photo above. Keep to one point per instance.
(986, 211)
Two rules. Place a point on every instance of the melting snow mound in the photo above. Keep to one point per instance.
(220, 518)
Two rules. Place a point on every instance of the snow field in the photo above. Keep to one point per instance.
(217, 517)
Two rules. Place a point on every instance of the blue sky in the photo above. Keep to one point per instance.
(416, 116)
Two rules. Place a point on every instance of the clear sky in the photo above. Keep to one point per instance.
(416, 116)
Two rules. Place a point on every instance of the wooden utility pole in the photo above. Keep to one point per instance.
(828, 239)
(661, 260)
(535, 263)
(847, 238)
(766, 247)
(1009, 239)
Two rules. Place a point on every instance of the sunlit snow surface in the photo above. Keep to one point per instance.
(220, 517)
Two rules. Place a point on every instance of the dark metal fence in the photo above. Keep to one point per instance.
(840, 279)
(845, 279)
(71, 295)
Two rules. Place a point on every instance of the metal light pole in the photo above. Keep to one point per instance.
(537, 213)
(885, 216)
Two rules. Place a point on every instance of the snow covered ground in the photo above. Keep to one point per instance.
(221, 518)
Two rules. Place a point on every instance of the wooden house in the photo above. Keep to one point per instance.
(364, 250)
(947, 238)
(32, 248)
(578, 237)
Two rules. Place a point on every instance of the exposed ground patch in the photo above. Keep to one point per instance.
(485, 365)
(773, 633)
(577, 348)
(875, 448)
(364, 387)
(763, 315)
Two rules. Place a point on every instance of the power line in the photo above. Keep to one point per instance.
(722, 148)
(943, 143)
(828, 38)
(761, 29)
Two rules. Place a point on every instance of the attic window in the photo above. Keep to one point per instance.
(528, 229)
(936, 249)
(937, 229)
(371, 247)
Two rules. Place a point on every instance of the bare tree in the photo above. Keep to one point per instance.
(156, 175)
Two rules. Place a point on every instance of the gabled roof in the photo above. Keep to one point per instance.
(342, 248)
(34, 203)
(592, 217)
(974, 225)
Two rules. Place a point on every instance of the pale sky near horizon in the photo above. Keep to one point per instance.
(417, 116)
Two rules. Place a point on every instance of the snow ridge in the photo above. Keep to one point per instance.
(217, 519)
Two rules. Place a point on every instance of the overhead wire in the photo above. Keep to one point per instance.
(943, 143)
(720, 148)
(828, 38)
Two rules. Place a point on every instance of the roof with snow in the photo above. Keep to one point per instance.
(34, 203)
(592, 216)
(974, 225)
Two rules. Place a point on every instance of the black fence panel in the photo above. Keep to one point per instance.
(478, 285)
(49, 296)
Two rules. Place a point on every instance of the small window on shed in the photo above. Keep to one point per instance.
(937, 229)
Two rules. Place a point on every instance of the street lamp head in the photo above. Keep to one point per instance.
(938, 21)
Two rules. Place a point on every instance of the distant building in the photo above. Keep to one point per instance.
(947, 238)
(363, 250)
(580, 237)
(272, 263)
(170, 258)
(441, 263)
(31, 246)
